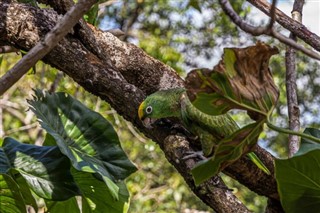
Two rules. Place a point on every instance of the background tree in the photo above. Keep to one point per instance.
(182, 35)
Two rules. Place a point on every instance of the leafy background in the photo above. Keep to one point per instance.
(171, 32)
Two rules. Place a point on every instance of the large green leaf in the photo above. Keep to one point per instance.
(11, 200)
(229, 150)
(45, 169)
(298, 181)
(84, 136)
(241, 80)
(70, 206)
(97, 197)
(30, 198)
(306, 144)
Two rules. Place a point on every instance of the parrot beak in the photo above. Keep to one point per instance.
(140, 111)
(147, 122)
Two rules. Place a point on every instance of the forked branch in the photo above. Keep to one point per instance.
(267, 30)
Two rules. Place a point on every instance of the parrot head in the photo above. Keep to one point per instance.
(161, 104)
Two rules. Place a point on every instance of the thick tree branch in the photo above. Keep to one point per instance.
(43, 47)
(123, 75)
(290, 24)
(256, 31)
(291, 86)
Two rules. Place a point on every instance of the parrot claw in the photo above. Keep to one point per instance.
(198, 154)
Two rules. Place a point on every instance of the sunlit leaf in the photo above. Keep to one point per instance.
(241, 80)
(70, 206)
(45, 169)
(228, 151)
(84, 136)
(298, 181)
(11, 200)
(28, 195)
(97, 197)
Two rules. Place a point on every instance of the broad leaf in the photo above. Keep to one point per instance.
(97, 197)
(11, 200)
(298, 181)
(45, 169)
(228, 151)
(241, 80)
(30, 198)
(306, 144)
(70, 206)
(84, 136)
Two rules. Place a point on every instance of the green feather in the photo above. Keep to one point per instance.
(210, 129)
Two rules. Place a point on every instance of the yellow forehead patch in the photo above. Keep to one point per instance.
(140, 111)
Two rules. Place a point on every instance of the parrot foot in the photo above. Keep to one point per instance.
(217, 183)
(198, 154)
(180, 128)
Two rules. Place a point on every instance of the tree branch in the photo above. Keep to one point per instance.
(256, 31)
(122, 74)
(8, 49)
(290, 24)
(291, 86)
(43, 47)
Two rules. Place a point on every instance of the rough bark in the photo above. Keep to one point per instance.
(291, 85)
(122, 74)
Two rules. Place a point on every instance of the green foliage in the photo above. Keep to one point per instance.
(91, 15)
(240, 81)
(11, 198)
(298, 181)
(155, 187)
(96, 196)
(45, 169)
(307, 145)
(228, 151)
(84, 140)
(181, 36)
(84, 136)
(160, 48)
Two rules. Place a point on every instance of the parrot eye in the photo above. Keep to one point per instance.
(149, 109)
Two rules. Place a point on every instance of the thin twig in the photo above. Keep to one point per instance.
(22, 128)
(105, 4)
(290, 24)
(5, 103)
(56, 81)
(272, 14)
(43, 47)
(256, 31)
(135, 133)
(8, 49)
(291, 86)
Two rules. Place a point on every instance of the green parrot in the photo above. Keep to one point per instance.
(209, 129)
